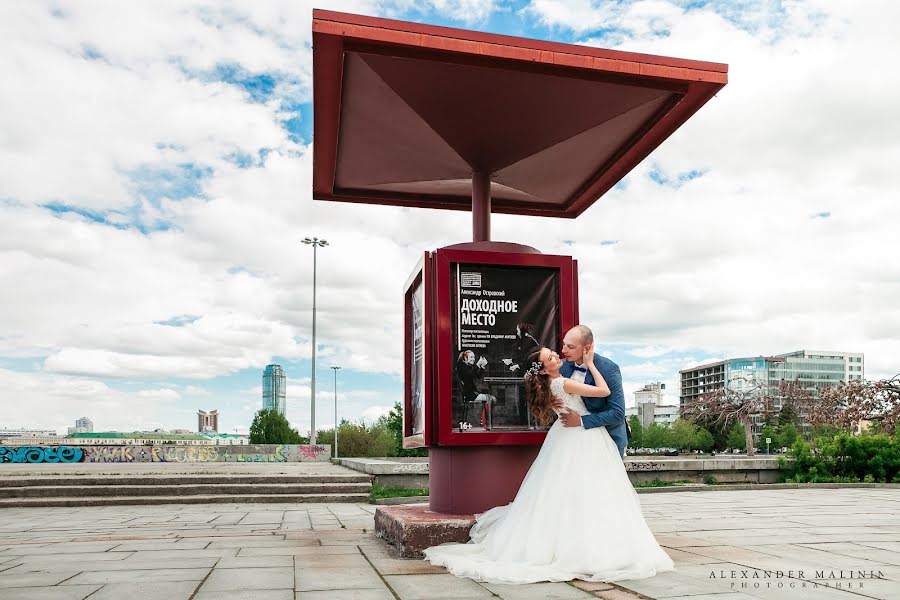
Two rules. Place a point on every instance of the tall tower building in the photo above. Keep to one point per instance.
(273, 388)
(207, 422)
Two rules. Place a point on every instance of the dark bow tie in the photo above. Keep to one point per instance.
(577, 368)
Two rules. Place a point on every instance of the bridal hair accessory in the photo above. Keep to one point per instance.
(533, 370)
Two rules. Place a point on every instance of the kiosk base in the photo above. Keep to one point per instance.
(466, 480)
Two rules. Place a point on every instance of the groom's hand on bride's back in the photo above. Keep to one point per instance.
(570, 419)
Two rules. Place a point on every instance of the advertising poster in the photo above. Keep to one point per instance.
(500, 315)
(417, 362)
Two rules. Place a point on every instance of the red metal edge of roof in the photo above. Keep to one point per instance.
(508, 40)
(334, 29)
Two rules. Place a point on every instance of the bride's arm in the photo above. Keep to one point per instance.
(601, 390)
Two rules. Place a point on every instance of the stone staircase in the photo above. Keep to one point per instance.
(86, 490)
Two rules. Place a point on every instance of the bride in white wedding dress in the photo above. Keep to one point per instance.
(576, 515)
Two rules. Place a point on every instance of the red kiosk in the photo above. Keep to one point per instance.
(432, 117)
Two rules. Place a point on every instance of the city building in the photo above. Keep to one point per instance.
(649, 407)
(137, 438)
(207, 421)
(274, 388)
(20, 436)
(82, 425)
(813, 369)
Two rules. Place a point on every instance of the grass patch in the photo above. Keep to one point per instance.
(658, 483)
(711, 480)
(380, 491)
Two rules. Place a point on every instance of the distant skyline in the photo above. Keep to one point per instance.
(156, 185)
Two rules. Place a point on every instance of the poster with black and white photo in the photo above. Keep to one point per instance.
(417, 362)
(500, 316)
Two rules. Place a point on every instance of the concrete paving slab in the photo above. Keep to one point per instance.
(246, 595)
(68, 592)
(248, 562)
(49, 566)
(297, 551)
(139, 575)
(147, 590)
(336, 578)
(726, 596)
(34, 579)
(379, 594)
(436, 587)
(345, 561)
(537, 591)
(261, 578)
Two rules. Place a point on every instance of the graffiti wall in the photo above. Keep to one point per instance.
(33, 454)
(182, 454)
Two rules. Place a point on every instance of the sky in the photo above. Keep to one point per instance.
(155, 183)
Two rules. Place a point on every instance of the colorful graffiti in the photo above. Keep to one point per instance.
(178, 454)
(33, 454)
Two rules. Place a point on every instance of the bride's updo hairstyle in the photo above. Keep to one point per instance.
(537, 390)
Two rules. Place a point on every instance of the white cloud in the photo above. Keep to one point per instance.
(373, 413)
(46, 400)
(727, 264)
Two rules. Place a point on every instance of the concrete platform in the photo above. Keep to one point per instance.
(88, 484)
(410, 528)
(719, 542)
(141, 469)
(411, 473)
(405, 473)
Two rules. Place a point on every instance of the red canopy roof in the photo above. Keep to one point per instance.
(404, 113)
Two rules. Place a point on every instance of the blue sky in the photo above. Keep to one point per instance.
(156, 185)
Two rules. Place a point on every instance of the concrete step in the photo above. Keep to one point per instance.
(180, 489)
(207, 499)
(156, 480)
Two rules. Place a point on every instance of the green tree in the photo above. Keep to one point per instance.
(271, 427)
(394, 423)
(656, 436)
(637, 432)
(685, 435)
(704, 441)
(682, 434)
(788, 414)
(768, 431)
(737, 437)
(787, 435)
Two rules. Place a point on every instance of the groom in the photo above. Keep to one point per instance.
(609, 411)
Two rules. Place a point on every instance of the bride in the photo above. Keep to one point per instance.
(576, 515)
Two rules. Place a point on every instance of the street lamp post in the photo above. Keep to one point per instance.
(315, 243)
(336, 369)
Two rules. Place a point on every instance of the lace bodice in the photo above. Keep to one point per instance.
(572, 401)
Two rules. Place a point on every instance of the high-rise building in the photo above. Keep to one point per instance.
(207, 422)
(82, 425)
(813, 369)
(274, 388)
(649, 407)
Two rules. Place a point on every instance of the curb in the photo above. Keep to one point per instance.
(699, 487)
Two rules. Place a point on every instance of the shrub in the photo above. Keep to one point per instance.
(360, 439)
(841, 457)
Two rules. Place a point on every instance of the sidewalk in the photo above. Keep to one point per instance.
(328, 551)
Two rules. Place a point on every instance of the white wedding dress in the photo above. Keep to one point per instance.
(576, 516)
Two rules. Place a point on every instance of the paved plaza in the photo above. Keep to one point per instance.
(723, 543)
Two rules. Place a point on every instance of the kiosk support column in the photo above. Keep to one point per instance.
(481, 206)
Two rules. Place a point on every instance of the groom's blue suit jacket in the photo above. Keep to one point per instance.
(610, 411)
